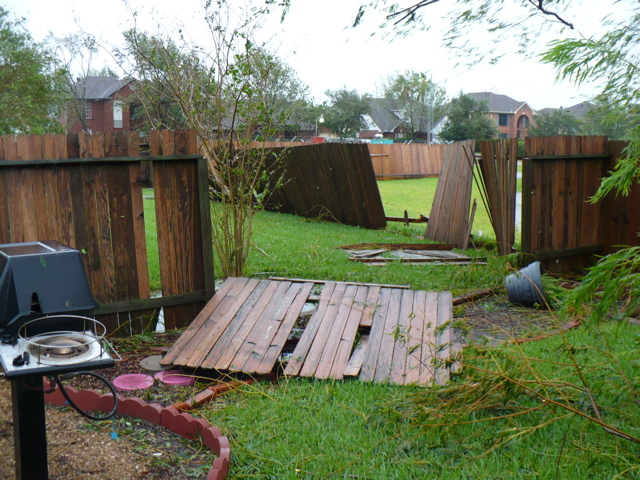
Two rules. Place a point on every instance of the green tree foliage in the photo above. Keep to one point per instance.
(32, 87)
(345, 112)
(556, 122)
(416, 99)
(467, 118)
(607, 117)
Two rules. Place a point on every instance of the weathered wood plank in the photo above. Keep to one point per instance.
(256, 331)
(263, 333)
(317, 347)
(231, 284)
(237, 342)
(428, 350)
(385, 354)
(304, 344)
(414, 338)
(371, 303)
(336, 333)
(368, 370)
(443, 337)
(214, 326)
(281, 337)
(357, 358)
(215, 355)
(403, 329)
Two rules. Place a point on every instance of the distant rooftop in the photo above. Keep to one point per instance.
(98, 88)
(498, 103)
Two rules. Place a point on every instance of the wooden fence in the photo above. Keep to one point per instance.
(393, 161)
(413, 160)
(85, 191)
(559, 224)
(333, 181)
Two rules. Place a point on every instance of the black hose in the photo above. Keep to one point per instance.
(78, 409)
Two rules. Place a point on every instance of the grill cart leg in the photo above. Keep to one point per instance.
(29, 428)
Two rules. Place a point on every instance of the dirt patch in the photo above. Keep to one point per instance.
(494, 319)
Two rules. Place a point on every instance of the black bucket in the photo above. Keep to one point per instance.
(525, 286)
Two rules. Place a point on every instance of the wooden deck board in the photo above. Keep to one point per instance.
(315, 352)
(237, 340)
(274, 350)
(247, 323)
(268, 327)
(218, 350)
(349, 334)
(304, 344)
(257, 328)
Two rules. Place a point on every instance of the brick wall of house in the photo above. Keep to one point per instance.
(102, 114)
(517, 125)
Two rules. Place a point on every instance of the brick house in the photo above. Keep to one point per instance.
(512, 117)
(101, 105)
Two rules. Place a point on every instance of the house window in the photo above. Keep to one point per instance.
(503, 135)
(88, 110)
(503, 119)
(117, 114)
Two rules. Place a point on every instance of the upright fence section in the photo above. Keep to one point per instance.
(86, 191)
(412, 160)
(560, 225)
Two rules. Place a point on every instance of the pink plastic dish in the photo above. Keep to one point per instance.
(174, 377)
(132, 381)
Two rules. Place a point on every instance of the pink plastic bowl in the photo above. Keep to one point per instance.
(132, 381)
(174, 377)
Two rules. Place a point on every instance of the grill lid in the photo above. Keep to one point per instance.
(41, 278)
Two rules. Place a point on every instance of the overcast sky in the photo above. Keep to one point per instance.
(314, 40)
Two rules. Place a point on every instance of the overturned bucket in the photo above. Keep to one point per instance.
(525, 286)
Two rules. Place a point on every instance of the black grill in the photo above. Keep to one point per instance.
(39, 279)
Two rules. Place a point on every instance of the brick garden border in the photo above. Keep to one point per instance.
(180, 423)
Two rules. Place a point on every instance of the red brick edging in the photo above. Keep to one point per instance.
(183, 424)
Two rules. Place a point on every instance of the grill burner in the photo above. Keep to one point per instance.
(59, 346)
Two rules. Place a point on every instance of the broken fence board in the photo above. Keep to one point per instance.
(217, 306)
(428, 350)
(329, 352)
(304, 344)
(349, 334)
(399, 246)
(238, 339)
(367, 373)
(272, 354)
(259, 328)
(265, 331)
(371, 303)
(385, 354)
(230, 284)
(401, 339)
(216, 353)
(317, 347)
(443, 336)
(357, 357)
(414, 340)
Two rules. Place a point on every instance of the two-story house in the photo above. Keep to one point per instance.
(100, 104)
(512, 117)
